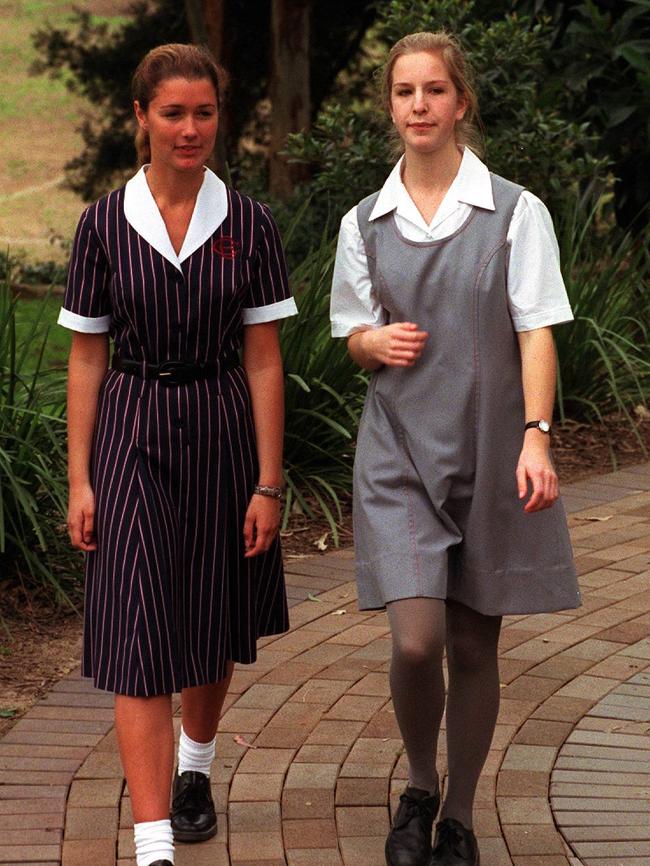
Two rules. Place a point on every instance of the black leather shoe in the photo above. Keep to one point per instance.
(409, 840)
(193, 816)
(162, 863)
(454, 845)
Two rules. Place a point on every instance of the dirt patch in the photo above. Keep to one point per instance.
(38, 646)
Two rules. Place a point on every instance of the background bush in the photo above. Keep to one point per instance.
(34, 545)
(324, 398)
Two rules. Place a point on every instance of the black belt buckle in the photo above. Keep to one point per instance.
(176, 373)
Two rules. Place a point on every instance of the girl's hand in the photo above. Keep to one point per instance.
(81, 517)
(535, 467)
(261, 524)
(397, 345)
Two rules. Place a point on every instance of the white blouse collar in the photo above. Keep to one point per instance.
(472, 185)
(141, 212)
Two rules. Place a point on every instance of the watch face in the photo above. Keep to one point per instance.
(544, 426)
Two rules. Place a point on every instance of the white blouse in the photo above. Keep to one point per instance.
(536, 293)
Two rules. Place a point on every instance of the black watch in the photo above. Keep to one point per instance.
(541, 424)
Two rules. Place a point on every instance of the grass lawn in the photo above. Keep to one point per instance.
(38, 120)
(42, 313)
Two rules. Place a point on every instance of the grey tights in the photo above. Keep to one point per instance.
(421, 629)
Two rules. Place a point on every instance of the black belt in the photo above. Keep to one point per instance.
(173, 372)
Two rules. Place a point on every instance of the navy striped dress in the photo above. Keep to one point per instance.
(170, 598)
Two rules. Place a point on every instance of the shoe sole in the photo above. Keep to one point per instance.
(194, 836)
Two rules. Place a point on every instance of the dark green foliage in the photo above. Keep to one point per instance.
(34, 545)
(605, 353)
(324, 397)
(604, 56)
(599, 65)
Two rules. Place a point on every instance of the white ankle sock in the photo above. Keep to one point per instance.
(153, 841)
(194, 756)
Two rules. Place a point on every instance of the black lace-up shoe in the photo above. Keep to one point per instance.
(409, 841)
(454, 845)
(193, 816)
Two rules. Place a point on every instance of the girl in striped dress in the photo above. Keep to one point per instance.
(175, 447)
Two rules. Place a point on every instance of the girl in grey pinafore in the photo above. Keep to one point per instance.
(442, 535)
(436, 511)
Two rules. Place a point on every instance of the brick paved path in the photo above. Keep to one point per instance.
(567, 780)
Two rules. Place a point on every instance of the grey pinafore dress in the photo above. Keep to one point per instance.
(436, 510)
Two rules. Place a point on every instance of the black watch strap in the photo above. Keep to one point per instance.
(540, 424)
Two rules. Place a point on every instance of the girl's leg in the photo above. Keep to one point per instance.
(193, 814)
(201, 708)
(416, 682)
(145, 739)
(201, 711)
(472, 704)
(418, 690)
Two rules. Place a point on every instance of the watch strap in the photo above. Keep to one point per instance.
(540, 424)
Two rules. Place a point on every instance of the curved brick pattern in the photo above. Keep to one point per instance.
(325, 763)
(600, 785)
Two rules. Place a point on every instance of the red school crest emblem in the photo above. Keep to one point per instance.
(226, 247)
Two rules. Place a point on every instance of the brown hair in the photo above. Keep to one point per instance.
(175, 60)
(468, 129)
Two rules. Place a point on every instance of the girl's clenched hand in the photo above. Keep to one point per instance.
(399, 344)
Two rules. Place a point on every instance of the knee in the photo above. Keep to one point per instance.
(417, 654)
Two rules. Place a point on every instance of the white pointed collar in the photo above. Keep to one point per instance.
(472, 185)
(141, 212)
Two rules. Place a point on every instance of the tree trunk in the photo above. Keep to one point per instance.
(196, 21)
(205, 19)
(289, 87)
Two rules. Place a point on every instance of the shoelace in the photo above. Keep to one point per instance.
(413, 809)
(194, 796)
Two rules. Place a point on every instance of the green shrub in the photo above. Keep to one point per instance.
(34, 546)
(604, 355)
(324, 398)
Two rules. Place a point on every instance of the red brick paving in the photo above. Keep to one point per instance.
(567, 781)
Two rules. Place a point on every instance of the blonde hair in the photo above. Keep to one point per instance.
(467, 130)
(174, 60)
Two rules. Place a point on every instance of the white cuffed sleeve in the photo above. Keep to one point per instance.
(269, 312)
(537, 296)
(269, 295)
(87, 303)
(84, 324)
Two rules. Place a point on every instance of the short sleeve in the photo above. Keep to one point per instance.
(269, 297)
(86, 304)
(353, 304)
(537, 296)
